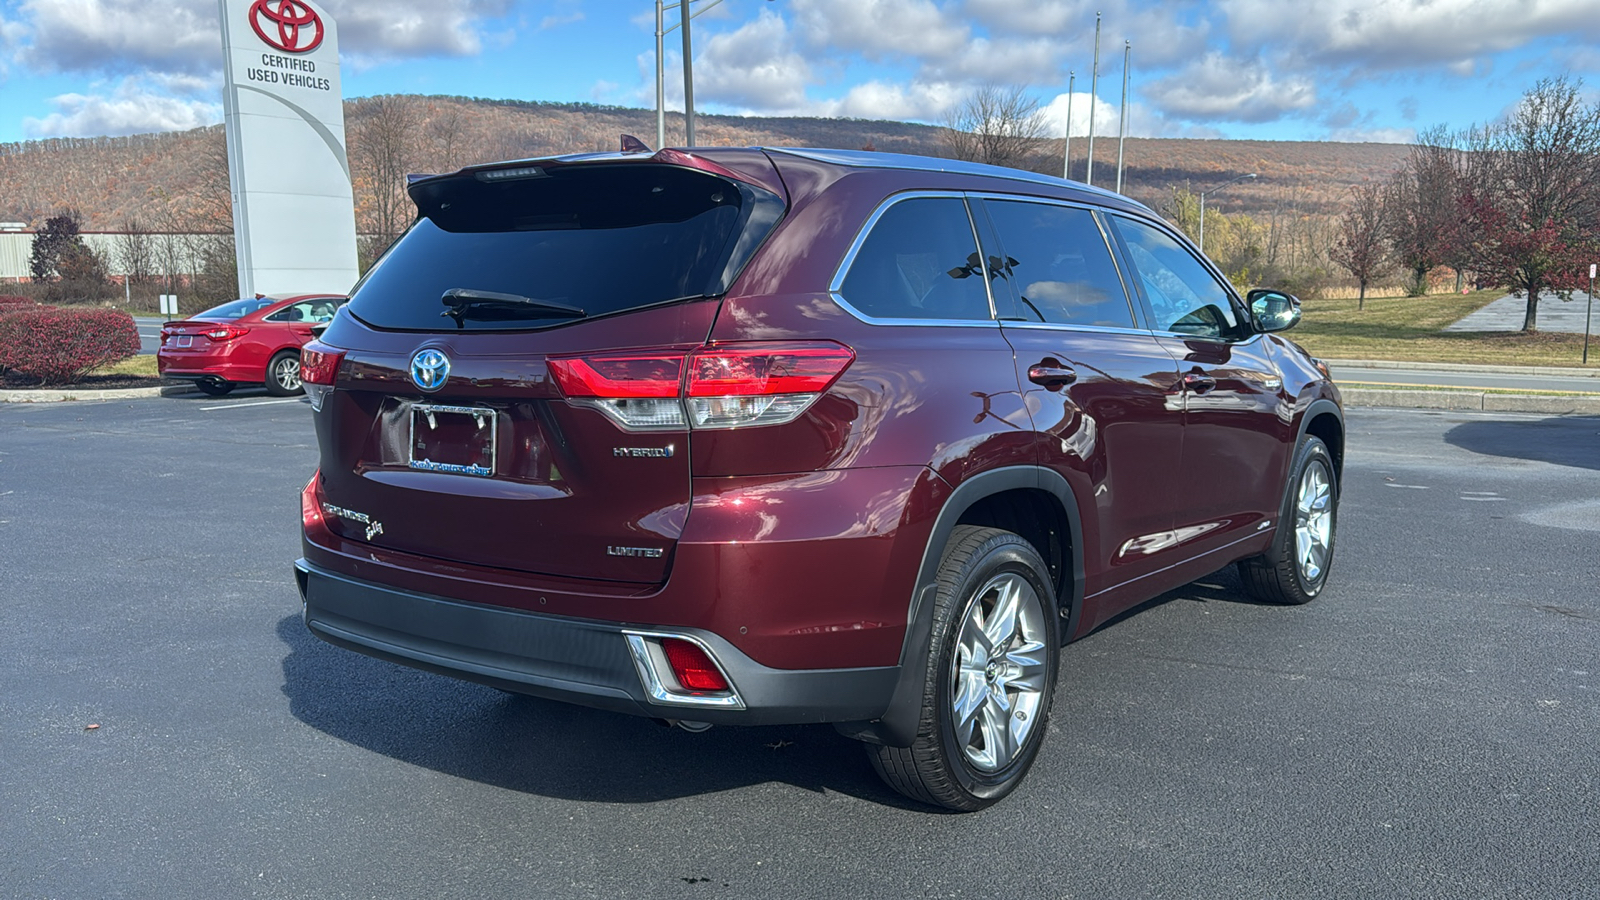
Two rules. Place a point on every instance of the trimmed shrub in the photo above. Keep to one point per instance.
(10, 300)
(60, 346)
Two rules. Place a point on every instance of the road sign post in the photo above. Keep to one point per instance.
(1588, 315)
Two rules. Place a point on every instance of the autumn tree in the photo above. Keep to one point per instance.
(1533, 197)
(1360, 248)
(1000, 126)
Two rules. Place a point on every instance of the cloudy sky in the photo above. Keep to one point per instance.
(1355, 70)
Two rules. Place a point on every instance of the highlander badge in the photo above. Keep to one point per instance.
(374, 527)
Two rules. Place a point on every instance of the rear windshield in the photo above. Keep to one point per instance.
(602, 238)
(234, 309)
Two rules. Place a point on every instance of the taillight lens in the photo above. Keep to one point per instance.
(726, 386)
(311, 503)
(692, 667)
(319, 368)
(227, 332)
(638, 391)
(736, 385)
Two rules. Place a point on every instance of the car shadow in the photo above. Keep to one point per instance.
(1562, 440)
(1221, 586)
(553, 749)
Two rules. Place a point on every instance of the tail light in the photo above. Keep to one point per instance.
(639, 391)
(724, 386)
(319, 368)
(311, 503)
(223, 333)
(692, 667)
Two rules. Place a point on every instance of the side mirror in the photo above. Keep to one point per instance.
(1274, 310)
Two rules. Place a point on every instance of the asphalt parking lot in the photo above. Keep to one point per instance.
(1424, 729)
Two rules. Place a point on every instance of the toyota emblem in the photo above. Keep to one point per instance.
(429, 369)
(288, 25)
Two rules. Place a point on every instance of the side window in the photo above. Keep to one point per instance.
(919, 262)
(1184, 296)
(1059, 263)
(307, 311)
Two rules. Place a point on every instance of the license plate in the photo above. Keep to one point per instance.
(182, 341)
(459, 440)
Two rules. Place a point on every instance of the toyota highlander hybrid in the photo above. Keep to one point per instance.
(756, 436)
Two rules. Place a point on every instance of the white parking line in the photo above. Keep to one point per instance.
(250, 403)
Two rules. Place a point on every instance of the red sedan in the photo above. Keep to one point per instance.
(253, 341)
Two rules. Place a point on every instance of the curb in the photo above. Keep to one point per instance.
(1546, 371)
(1476, 401)
(166, 390)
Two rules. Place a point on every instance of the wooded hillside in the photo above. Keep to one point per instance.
(178, 181)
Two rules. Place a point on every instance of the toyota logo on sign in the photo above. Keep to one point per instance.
(288, 25)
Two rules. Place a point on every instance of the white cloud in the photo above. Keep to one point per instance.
(549, 22)
(130, 109)
(881, 29)
(1373, 135)
(1163, 33)
(183, 36)
(1385, 34)
(756, 66)
(1221, 88)
(917, 101)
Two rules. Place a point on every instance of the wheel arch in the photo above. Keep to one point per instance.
(1032, 501)
(1324, 419)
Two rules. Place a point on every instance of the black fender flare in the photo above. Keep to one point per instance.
(1316, 408)
(898, 725)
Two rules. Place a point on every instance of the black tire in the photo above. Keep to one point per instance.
(215, 388)
(980, 566)
(283, 374)
(1294, 570)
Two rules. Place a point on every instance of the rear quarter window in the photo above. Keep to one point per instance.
(919, 261)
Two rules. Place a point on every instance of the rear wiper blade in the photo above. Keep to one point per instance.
(465, 303)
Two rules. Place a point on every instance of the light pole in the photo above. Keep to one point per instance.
(688, 74)
(1203, 205)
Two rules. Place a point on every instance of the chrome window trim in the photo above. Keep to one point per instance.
(1096, 214)
(836, 283)
(1010, 324)
(645, 649)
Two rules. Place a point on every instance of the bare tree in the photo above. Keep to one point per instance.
(1360, 248)
(136, 252)
(997, 125)
(1532, 197)
(1420, 209)
(385, 148)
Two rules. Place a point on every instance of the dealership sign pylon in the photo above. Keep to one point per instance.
(293, 211)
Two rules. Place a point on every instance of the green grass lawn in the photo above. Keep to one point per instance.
(1409, 329)
(143, 366)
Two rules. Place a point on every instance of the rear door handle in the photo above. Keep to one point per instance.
(1198, 382)
(1051, 377)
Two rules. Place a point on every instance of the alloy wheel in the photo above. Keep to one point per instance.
(999, 671)
(1313, 522)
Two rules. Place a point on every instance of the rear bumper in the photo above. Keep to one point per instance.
(208, 369)
(579, 661)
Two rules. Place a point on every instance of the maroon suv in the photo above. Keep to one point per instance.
(750, 436)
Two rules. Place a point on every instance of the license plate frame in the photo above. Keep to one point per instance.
(454, 440)
(183, 341)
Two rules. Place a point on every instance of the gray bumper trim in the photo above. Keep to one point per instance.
(574, 660)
